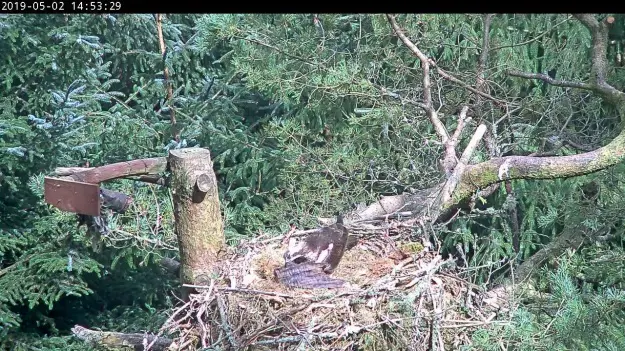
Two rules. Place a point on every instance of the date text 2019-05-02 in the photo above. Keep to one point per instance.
(28, 6)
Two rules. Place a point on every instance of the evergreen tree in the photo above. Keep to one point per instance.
(304, 115)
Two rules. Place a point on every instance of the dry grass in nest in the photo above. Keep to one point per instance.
(418, 303)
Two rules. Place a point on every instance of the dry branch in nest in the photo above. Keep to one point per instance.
(398, 295)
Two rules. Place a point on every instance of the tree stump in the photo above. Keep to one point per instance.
(197, 214)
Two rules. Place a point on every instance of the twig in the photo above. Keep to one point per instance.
(469, 324)
(157, 225)
(288, 234)
(402, 264)
(155, 242)
(480, 84)
(453, 79)
(278, 50)
(442, 72)
(171, 318)
(239, 290)
(256, 292)
(533, 39)
(5, 270)
(555, 82)
(235, 74)
(386, 92)
(305, 232)
(429, 269)
(295, 339)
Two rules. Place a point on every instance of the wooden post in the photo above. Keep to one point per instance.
(197, 214)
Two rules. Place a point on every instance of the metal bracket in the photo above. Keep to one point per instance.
(72, 196)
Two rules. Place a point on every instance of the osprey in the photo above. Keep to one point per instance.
(309, 261)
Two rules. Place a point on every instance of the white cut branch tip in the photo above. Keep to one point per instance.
(503, 170)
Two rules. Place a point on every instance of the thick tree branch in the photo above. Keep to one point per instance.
(453, 181)
(570, 238)
(482, 175)
(485, 174)
(150, 167)
(114, 340)
(525, 167)
(149, 178)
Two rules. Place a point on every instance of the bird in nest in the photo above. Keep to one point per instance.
(310, 260)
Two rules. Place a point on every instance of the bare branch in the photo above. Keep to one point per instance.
(481, 63)
(597, 80)
(453, 79)
(427, 84)
(452, 182)
(486, 174)
(431, 63)
(462, 119)
(555, 82)
(451, 160)
(161, 44)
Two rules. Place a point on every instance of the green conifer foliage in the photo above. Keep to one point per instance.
(304, 115)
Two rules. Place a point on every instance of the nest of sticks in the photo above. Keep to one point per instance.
(399, 296)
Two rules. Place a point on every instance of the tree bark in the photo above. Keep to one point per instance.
(197, 214)
(146, 166)
(526, 167)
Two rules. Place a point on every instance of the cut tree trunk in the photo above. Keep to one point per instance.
(197, 214)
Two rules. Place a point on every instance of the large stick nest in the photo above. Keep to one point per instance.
(398, 296)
